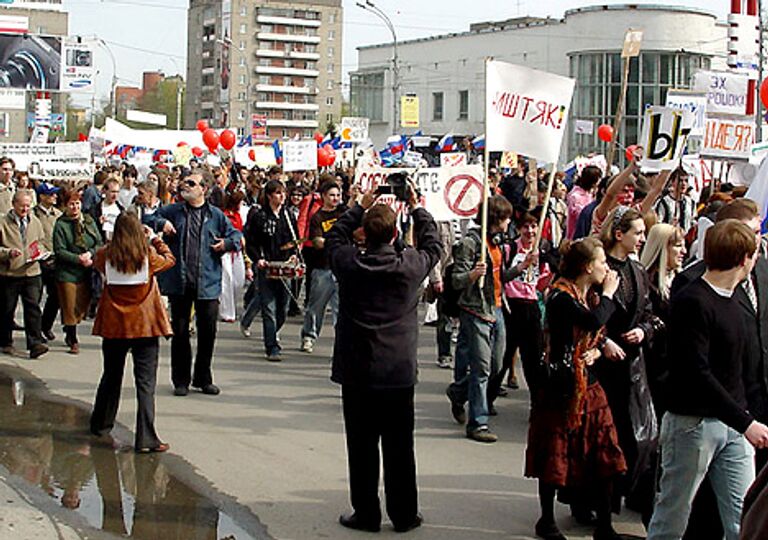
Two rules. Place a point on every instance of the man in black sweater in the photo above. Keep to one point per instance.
(708, 427)
(374, 354)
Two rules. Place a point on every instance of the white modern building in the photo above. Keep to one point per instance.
(447, 72)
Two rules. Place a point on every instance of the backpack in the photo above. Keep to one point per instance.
(450, 295)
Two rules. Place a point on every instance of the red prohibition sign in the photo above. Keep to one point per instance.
(466, 184)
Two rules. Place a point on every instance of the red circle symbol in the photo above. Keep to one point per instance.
(463, 193)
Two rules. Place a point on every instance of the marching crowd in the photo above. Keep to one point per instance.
(638, 315)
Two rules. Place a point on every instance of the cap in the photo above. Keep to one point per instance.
(47, 189)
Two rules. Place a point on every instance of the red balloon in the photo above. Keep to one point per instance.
(211, 139)
(252, 154)
(227, 139)
(764, 93)
(630, 152)
(330, 155)
(202, 125)
(197, 151)
(605, 133)
(82, 137)
(182, 143)
(319, 137)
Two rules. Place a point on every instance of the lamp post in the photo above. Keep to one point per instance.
(228, 43)
(112, 90)
(370, 6)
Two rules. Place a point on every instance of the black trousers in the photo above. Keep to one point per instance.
(28, 288)
(522, 323)
(51, 308)
(145, 352)
(206, 315)
(371, 416)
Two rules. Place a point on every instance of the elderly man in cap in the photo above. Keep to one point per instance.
(47, 213)
(21, 246)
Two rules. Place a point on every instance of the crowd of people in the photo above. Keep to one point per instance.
(636, 313)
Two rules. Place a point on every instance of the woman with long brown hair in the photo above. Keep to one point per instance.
(572, 440)
(131, 317)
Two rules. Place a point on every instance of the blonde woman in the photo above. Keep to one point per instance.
(662, 258)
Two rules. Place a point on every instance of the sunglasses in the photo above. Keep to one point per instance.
(191, 183)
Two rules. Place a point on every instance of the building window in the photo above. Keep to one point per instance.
(328, 118)
(308, 133)
(330, 67)
(243, 10)
(243, 28)
(463, 104)
(437, 106)
(332, 17)
(241, 46)
(241, 96)
(242, 78)
(367, 95)
(330, 85)
(264, 79)
(331, 52)
(329, 101)
(331, 35)
(242, 61)
(285, 133)
(241, 115)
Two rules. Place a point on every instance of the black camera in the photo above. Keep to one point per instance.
(397, 185)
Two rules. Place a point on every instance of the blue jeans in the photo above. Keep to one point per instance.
(253, 307)
(444, 331)
(479, 352)
(323, 289)
(691, 447)
(274, 306)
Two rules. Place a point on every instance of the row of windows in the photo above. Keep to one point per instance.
(438, 106)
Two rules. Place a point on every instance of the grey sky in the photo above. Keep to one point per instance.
(161, 26)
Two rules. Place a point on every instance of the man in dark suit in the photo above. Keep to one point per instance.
(374, 355)
(752, 298)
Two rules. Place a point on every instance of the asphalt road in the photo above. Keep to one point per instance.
(273, 440)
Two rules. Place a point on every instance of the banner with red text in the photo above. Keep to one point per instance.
(527, 110)
(730, 137)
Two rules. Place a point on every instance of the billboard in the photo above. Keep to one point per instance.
(30, 62)
(78, 73)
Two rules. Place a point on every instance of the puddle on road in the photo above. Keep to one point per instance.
(44, 440)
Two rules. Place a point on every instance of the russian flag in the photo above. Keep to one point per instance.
(479, 142)
(278, 152)
(396, 144)
(446, 143)
(245, 141)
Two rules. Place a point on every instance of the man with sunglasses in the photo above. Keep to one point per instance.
(198, 234)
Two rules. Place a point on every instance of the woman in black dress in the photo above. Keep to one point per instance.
(572, 441)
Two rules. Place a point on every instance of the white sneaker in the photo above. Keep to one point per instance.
(245, 331)
(445, 362)
(307, 344)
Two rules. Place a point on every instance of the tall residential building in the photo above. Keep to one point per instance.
(269, 59)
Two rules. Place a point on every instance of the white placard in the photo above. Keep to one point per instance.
(664, 136)
(696, 102)
(726, 92)
(453, 159)
(354, 129)
(299, 155)
(728, 137)
(583, 127)
(526, 109)
(448, 193)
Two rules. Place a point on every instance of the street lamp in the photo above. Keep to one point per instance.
(113, 88)
(228, 43)
(370, 6)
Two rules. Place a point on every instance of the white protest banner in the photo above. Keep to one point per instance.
(583, 127)
(24, 153)
(447, 192)
(354, 129)
(453, 159)
(146, 117)
(526, 110)
(49, 171)
(299, 155)
(582, 162)
(263, 156)
(664, 136)
(728, 137)
(726, 92)
(696, 102)
(412, 159)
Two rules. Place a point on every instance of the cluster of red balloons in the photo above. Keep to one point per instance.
(325, 156)
(212, 140)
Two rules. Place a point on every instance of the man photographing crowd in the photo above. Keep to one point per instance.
(374, 355)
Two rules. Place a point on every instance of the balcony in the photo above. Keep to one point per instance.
(292, 123)
(304, 55)
(285, 106)
(270, 36)
(271, 70)
(288, 21)
(284, 89)
(269, 53)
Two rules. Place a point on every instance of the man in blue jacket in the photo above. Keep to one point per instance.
(374, 354)
(198, 234)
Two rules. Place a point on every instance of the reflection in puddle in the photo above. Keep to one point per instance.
(44, 440)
